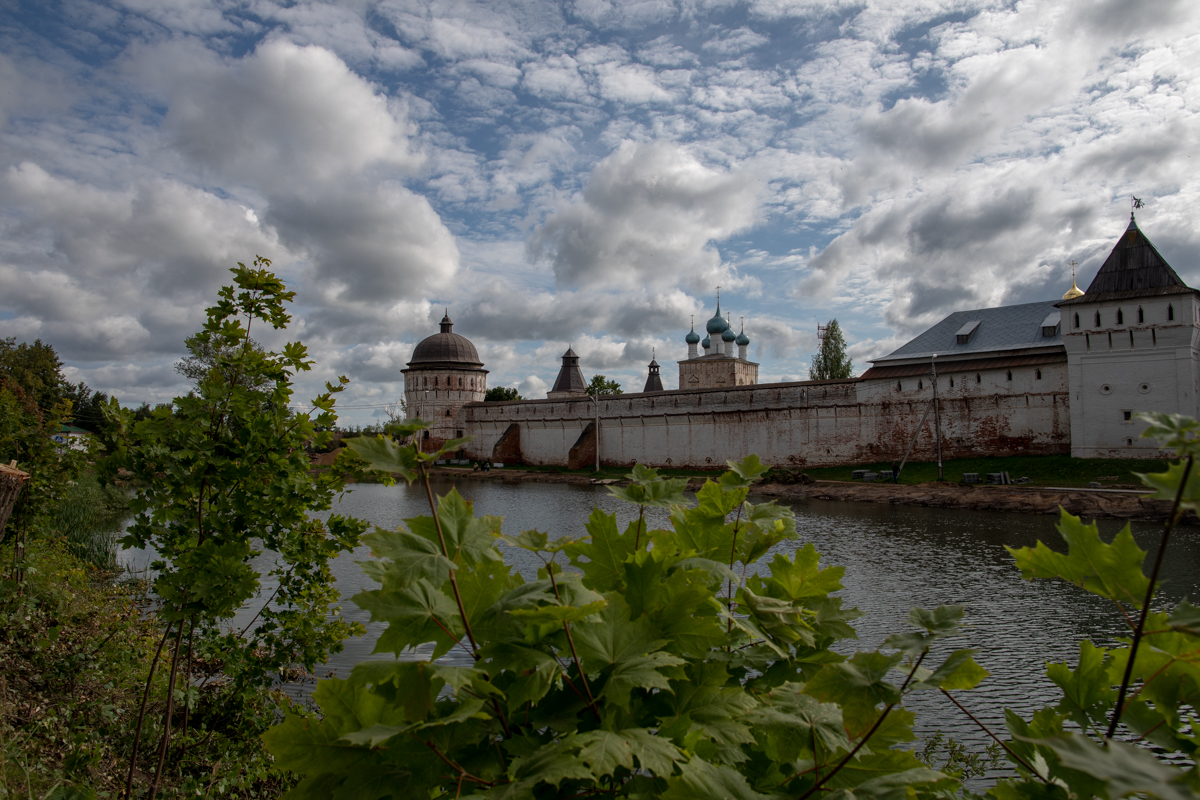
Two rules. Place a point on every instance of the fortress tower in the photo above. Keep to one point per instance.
(444, 374)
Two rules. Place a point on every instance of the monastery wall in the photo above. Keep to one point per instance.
(801, 424)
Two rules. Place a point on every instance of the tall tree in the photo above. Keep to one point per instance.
(831, 363)
(601, 386)
(501, 394)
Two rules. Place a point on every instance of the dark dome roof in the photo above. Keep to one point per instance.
(446, 346)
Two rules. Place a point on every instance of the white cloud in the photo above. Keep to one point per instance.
(284, 119)
(648, 217)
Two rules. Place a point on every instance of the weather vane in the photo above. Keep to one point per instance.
(1135, 203)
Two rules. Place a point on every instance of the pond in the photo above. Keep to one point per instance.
(895, 557)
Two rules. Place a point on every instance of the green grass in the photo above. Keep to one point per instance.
(1062, 470)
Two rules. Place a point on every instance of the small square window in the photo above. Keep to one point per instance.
(1127, 415)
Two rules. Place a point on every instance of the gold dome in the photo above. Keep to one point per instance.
(1074, 291)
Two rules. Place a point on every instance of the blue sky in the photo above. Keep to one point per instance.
(578, 173)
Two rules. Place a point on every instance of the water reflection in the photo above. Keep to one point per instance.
(895, 557)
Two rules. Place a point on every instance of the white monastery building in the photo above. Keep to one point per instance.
(1036, 378)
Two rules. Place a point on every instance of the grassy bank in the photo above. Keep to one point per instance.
(75, 647)
(1060, 470)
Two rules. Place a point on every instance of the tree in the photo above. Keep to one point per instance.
(87, 407)
(221, 475)
(36, 369)
(601, 386)
(207, 355)
(34, 404)
(831, 363)
(501, 394)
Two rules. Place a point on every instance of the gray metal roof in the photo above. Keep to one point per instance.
(446, 347)
(1000, 329)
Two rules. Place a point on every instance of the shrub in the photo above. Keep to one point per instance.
(668, 666)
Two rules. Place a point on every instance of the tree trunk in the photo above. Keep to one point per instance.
(12, 480)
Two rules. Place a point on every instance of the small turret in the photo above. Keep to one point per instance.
(728, 338)
(707, 345)
(654, 380)
(692, 340)
(570, 382)
(743, 341)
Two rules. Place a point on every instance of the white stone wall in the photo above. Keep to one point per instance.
(788, 424)
(1120, 368)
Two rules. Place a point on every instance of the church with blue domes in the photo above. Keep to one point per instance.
(724, 363)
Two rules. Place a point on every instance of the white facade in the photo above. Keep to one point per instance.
(1140, 354)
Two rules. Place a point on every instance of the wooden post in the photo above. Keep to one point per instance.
(12, 480)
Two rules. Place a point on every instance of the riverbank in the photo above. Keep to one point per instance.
(1087, 503)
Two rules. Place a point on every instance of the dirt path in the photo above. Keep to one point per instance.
(1086, 503)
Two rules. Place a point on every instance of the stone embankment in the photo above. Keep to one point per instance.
(1087, 503)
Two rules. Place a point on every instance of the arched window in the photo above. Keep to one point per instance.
(1141, 315)
(1010, 374)
(460, 383)
(920, 385)
(899, 386)
(1120, 317)
(1097, 319)
(1037, 374)
(1076, 319)
(1170, 311)
(978, 379)
(435, 380)
(952, 383)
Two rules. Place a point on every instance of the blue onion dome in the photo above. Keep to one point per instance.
(692, 338)
(743, 339)
(717, 324)
(728, 335)
(707, 343)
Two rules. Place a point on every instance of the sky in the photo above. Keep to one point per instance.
(580, 174)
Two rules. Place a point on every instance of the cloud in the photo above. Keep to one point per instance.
(532, 388)
(125, 271)
(284, 118)
(647, 217)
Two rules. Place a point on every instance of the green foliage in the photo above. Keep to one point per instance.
(87, 407)
(222, 474)
(675, 664)
(601, 385)
(74, 651)
(831, 363)
(501, 394)
(88, 517)
(35, 400)
(669, 665)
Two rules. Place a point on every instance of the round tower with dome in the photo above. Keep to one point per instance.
(721, 365)
(443, 375)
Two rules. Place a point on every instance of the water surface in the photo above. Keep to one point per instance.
(896, 557)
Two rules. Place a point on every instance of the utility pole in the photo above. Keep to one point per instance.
(595, 399)
(937, 415)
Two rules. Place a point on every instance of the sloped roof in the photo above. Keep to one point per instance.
(570, 377)
(1134, 268)
(1000, 329)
